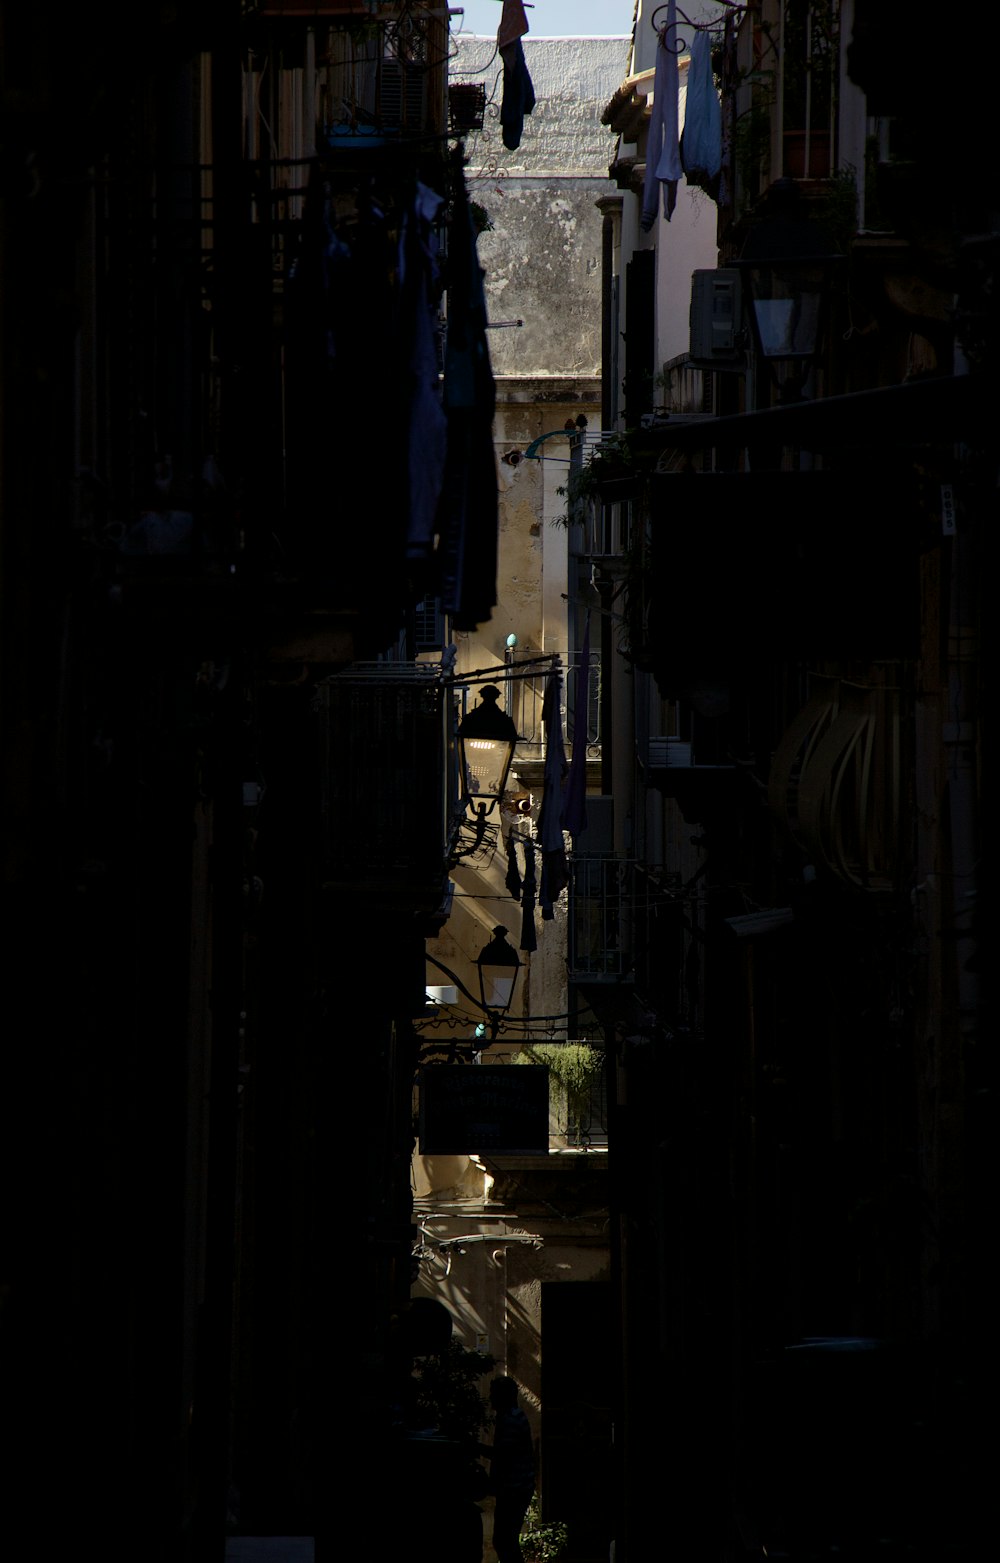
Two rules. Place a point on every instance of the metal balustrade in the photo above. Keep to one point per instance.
(608, 908)
(527, 695)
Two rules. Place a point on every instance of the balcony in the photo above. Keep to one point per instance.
(606, 906)
(698, 770)
(387, 78)
(626, 932)
(526, 696)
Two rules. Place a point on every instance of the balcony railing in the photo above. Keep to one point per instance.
(527, 695)
(600, 507)
(607, 906)
(627, 925)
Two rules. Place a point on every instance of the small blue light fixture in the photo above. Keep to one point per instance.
(511, 641)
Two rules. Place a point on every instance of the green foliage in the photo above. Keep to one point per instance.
(447, 1391)
(838, 210)
(575, 1065)
(611, 460)
(482, 222)
(751, 143)
(539, 1542)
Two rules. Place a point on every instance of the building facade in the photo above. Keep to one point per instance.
(226, 237)
(797, 1130)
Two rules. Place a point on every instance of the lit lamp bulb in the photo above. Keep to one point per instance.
(486, 739)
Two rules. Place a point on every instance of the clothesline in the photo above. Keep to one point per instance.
(700, 27)
(698, 152)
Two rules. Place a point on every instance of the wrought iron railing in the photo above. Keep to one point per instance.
(527, 695)
(608, 908)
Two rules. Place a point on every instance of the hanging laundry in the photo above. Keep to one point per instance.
(468, 518)
(428, 425)
(513, 880)
(518, 92)
(663, 161)
(701, 142)
(574, 810)
(555, 878)
(555, 874)
(529, 939)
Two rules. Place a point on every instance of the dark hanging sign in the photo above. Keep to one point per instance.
(470, 1108)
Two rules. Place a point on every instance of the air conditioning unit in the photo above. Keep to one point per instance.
(679, 754)
(716, 324)
(669, 754)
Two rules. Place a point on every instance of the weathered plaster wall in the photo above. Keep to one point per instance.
(543, 256)
(570, 76)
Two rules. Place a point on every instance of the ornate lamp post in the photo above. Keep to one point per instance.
(788, 261)
(498, 965)
(486, 742)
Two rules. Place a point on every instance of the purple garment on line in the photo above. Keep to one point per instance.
(513, 880)
(574, 810)
(555, 874)
(428, 424)
(663, 159)
(701, 143)
(529, 940)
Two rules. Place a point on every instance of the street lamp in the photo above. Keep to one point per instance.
(498, 967)
(486, 742)
(788, 261)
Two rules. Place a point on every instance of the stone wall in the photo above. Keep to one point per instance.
(542, 257)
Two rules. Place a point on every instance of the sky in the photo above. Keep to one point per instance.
(551, 18)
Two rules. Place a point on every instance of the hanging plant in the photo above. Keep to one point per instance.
(609, 464)
(575, 1065)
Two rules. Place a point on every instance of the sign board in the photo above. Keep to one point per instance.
(470, 1108)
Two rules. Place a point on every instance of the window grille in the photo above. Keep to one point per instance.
(428, 625)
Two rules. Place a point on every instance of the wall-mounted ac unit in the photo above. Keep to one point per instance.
(678, 754)
(715, 320)
(669, 754)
